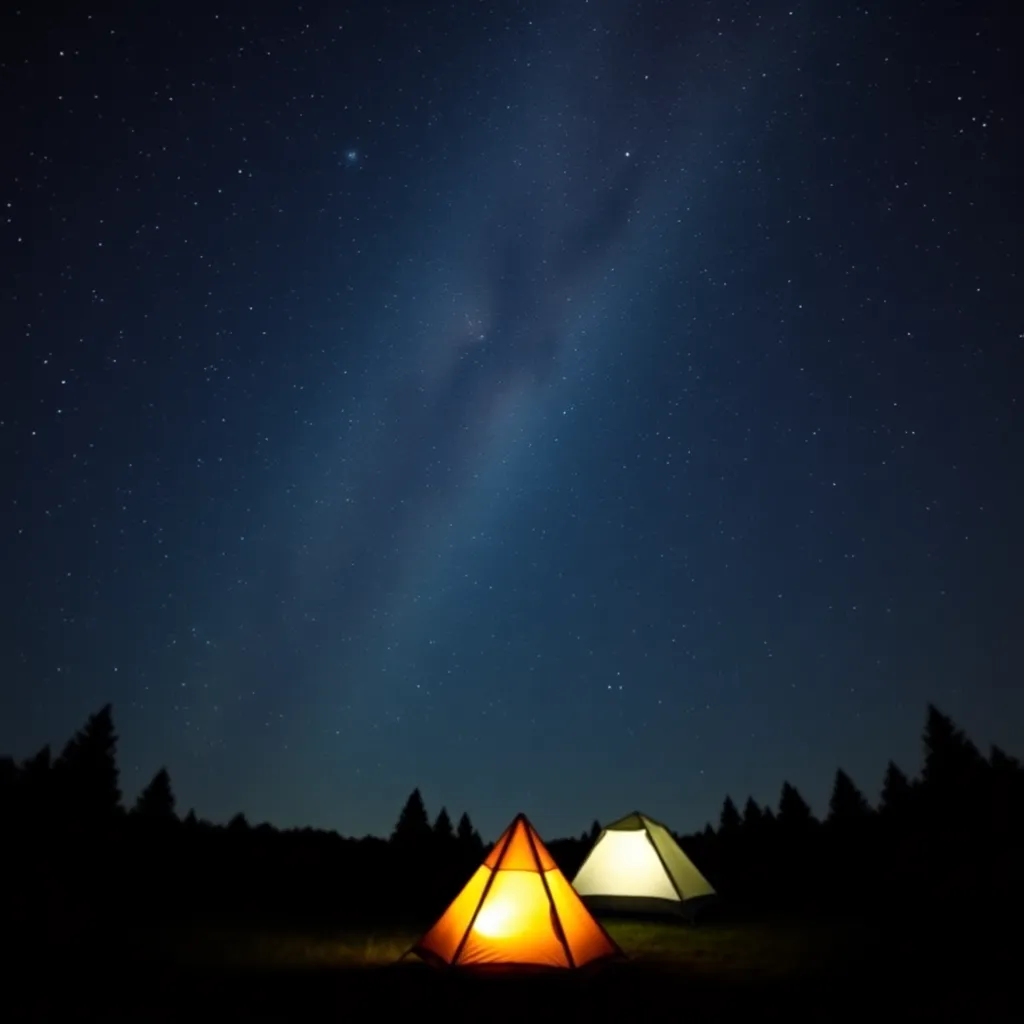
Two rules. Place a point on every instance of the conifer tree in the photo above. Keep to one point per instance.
(413, 825)
(87, 775)
(464, 831)
(467, 837)
(794, 811)
(753, 816)
(950, 758)
(729, 819)
(156, 802)
(443, 831)
(955, 778)
(897, 792)
(847, 805)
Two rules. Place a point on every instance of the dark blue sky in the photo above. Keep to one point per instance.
(562, 407)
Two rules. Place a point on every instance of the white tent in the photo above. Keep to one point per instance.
(636, 866)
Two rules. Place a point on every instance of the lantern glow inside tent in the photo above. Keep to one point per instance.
(517, 910)
(636, 866)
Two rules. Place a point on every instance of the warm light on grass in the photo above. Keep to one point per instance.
(717, 951)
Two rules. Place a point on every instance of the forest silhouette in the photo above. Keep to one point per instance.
(948, 839)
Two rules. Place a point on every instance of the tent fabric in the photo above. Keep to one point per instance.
(519, 910)
(636, 864)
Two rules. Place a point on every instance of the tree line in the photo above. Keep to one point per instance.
(949, 836)
(946, 839)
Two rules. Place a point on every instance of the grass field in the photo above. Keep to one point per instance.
(814, 971)
(718, 952)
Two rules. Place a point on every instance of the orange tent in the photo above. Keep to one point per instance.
(517, 910)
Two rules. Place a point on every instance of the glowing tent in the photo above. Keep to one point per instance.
(518, 910)
(636, 866)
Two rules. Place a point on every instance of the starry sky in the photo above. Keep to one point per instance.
(566, 406)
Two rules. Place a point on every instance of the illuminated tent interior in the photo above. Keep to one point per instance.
(518, 910)
(636, 866)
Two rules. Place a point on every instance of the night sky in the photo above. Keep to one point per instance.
(560, 406)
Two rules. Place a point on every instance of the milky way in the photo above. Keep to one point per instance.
(570, 184)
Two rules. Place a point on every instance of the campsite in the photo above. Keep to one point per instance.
(512, 511)
(146, 914)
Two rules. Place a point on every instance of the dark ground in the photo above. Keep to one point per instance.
(929, 969)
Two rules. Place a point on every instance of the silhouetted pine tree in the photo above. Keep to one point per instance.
(86, 774)
(730, 855)
(413, 827)
(752, 868)
(468, 838)
(956, 801)
(156, 802)
(753, 817)
(897, 794)
(847, 808)
(444, 834)
(239, 823)
(948, 754)
(39, 764)
(954, 778)
(794, 811)
(729, 820)
(847, 869)
(595, 831)
(796, 857)
(901, 853)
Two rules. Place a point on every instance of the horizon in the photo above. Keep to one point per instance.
(454, 814)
